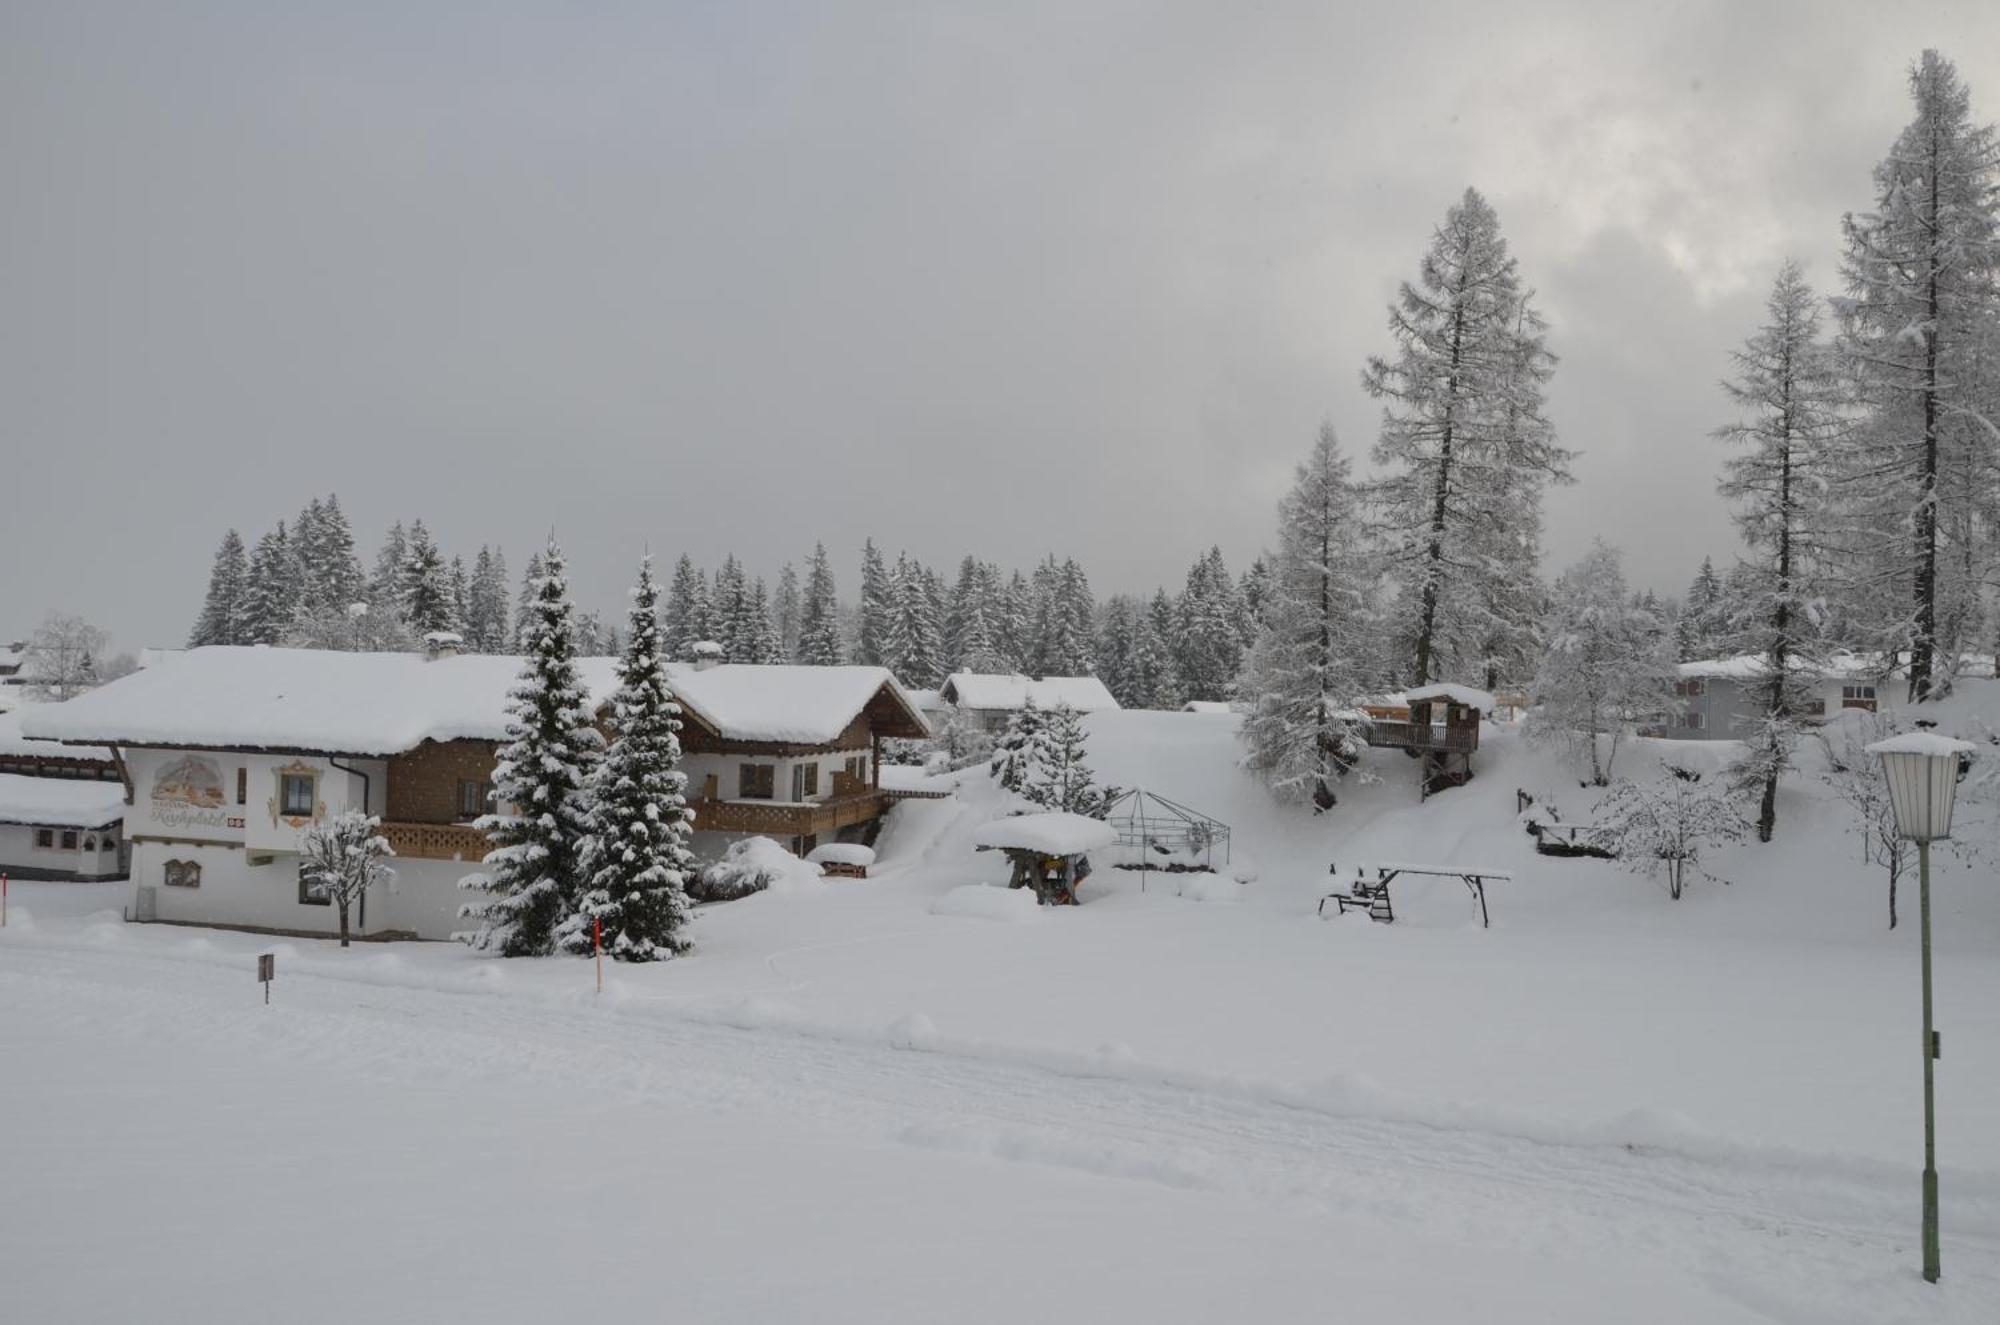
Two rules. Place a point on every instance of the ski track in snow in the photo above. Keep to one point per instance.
(1843, 1234)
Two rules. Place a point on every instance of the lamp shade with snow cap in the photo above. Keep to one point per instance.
(1923, 769)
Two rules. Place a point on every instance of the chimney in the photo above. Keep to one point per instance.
(442, 644)
(707, 653)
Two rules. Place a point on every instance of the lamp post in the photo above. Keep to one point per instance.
(1923, 769)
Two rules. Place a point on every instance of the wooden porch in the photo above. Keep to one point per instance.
(789, 818)
(437, 841)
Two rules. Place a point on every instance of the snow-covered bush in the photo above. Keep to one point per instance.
(340, 859)
(1660, 827)
(751, 866)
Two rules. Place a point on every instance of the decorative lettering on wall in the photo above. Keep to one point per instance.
(187, 793)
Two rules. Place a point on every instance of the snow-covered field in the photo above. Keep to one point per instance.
(896, 1100)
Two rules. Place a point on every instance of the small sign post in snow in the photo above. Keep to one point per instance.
(597, 948)
(267, 971)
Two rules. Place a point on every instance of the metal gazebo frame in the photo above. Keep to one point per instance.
(1149, 821)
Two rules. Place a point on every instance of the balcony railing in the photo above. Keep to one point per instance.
(788, 818)
(437, 841)
(1423, 736)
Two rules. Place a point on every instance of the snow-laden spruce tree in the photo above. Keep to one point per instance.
(1207, 636)
(1918, 323)
(425, 587)
(756, 633)
(1662, 826)
(1465, 445)
(636, 858)
(729, 609)
(1013, 764)
(486, 603)
(341, 859)
(913, 646)
(1061, 778)
(787, 606)
(534, 874)
(819, 614)
(1606, 666)
(871, 642)
(226, 608)
(689, 615)
(271, 598)
(1790, 400)
(1701, 631)
(1304, 672)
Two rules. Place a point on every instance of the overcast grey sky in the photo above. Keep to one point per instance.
(1081, 277)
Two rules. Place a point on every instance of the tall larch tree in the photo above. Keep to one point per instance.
(1919, 272)
(637, 856)
(1464, 441)
(534, 875)
(1304, 673)
(1789, 399)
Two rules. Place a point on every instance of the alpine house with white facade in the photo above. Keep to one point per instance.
(226, 754)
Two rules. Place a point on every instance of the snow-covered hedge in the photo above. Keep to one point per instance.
(751, 866)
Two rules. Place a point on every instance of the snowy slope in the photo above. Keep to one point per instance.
(1694, 1110)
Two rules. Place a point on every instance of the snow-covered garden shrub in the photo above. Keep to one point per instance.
(751, 866)
(1660, 827)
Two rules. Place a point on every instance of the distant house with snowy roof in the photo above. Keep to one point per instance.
(1717, 699)
(229, 753)
(61, 808)
(12, 656)
(990, 699)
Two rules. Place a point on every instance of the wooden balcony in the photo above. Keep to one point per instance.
(788, 818)
(437, 841)
(1423, 736)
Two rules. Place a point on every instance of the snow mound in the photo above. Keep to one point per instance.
(755, 865)
(915, 1031)
(841, 853)
(1207, 887)
(1057, 834)
(983, 903)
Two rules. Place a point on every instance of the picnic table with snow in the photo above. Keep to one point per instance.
(1372, 894)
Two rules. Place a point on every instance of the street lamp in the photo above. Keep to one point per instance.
(1923, 769)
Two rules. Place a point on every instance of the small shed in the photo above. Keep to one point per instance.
(1049, 851)
(1440, 725)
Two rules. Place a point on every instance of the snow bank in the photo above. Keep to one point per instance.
(1206, 887)
(983, 903)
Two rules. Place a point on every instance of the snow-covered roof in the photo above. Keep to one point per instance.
(1055, 834)
(1929, 744)
(1007, 691)
(383, 703)
(1451, 694)
(60, 802)
(12, 654)
(1752, 666)
(13, 745)
(1206, 706)
(151, 657)
(784, 703)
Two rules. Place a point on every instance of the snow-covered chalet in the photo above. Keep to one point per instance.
(226, 754)
(61, 808)
(990, 699)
